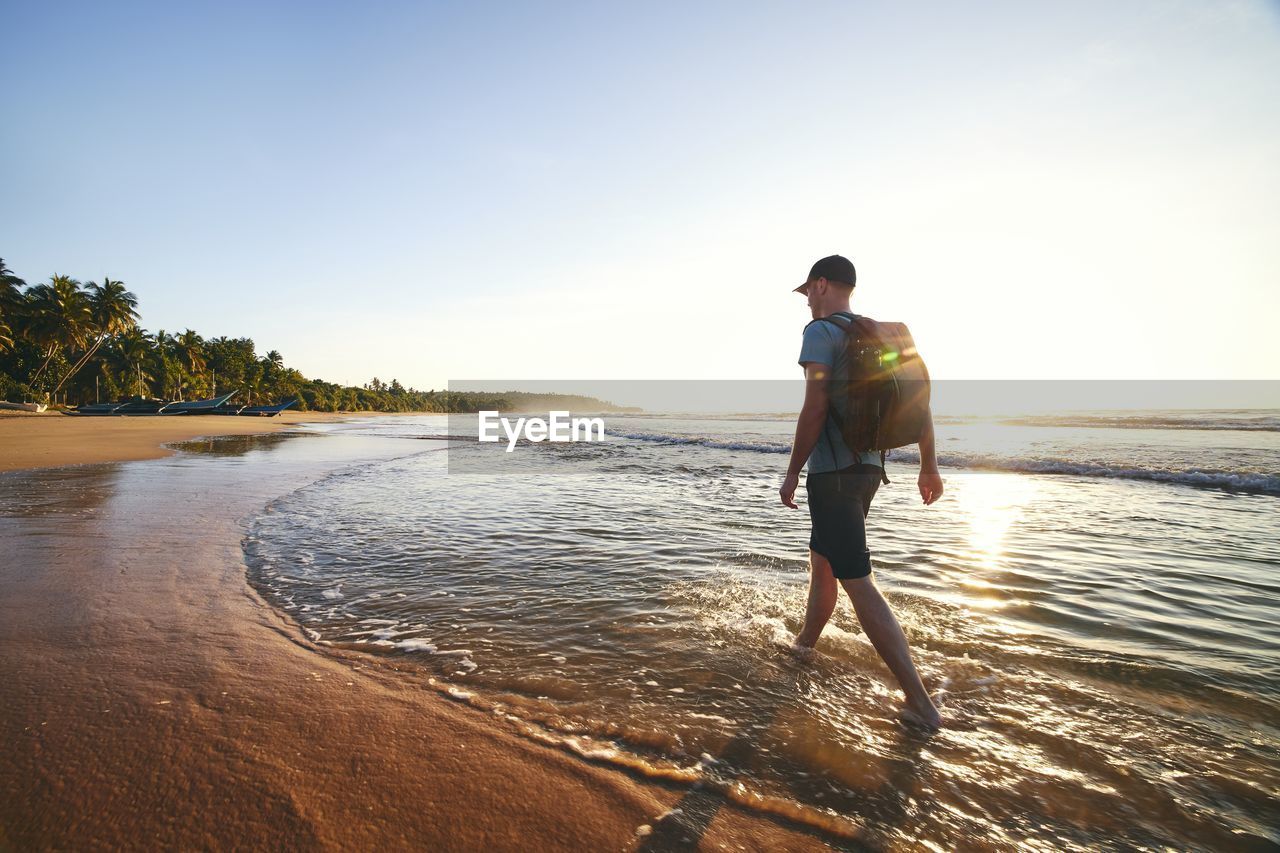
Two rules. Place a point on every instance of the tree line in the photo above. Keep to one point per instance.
(66, 343)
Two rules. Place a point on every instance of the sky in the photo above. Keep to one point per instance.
(449, 191)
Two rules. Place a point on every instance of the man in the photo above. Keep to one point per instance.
(841, 485)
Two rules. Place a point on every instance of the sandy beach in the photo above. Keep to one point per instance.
(51, 439)
(152, 699)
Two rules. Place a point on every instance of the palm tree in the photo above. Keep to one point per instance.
(166, 359)
(10, 286)
(11, 300)
(58, 316)
(112, 311)
(272, 365)
(132, 353)
(253, 376)
(189, 348)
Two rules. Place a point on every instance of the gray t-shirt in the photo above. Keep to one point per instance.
(824, 344)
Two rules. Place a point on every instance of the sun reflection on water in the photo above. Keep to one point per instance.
(992, 504)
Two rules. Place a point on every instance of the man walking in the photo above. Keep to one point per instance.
(841, 485)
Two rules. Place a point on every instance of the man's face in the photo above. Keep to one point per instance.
(812, 294)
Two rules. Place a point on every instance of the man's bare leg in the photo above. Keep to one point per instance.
(823, 594)
(884, 632)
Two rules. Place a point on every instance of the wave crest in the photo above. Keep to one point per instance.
(1239, 481)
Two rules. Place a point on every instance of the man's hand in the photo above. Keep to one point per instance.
(812, 415)
(788, 490)
(930, 485)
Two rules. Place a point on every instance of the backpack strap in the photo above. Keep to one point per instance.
(845, 325)
(844, 320)
(839, 321)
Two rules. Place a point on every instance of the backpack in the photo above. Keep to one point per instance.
(887, 394)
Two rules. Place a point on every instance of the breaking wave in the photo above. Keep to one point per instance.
(1260, 423)
(1239, 481)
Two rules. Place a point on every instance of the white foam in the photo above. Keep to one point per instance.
(416, 645)
(706, 441)
(774, 629)
(858, 644)
(1247, 481)
(385, 633)
(334, 593)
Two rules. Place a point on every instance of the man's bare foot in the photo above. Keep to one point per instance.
(931, 719)
(803, 653)
(928, 718)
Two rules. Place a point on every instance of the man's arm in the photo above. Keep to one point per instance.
(930, 481)
(808, 427)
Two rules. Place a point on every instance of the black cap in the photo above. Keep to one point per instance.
(832, 268)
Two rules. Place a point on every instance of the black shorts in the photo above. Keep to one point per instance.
(838, 506)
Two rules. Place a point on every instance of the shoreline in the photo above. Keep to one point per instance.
(155, 699)
(52, 440)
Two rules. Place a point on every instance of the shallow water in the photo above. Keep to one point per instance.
(1110, 639)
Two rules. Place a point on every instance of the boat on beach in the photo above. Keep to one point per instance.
(23, 407)
(94, 409)
(132, 406)
(197, 407)
(141, 406)
(265, 411)
(250, 411)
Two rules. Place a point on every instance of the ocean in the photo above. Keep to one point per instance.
(1094, 597)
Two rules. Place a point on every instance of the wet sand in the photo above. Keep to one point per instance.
(151, 699)
(50, 438)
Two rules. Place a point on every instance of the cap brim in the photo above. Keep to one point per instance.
(802, 288)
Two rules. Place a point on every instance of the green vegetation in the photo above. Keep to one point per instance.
(66, 343)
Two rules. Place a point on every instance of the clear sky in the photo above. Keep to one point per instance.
(555, 190)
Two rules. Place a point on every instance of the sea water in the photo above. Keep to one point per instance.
(1094, 597)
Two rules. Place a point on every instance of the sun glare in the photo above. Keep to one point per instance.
(992, 503)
